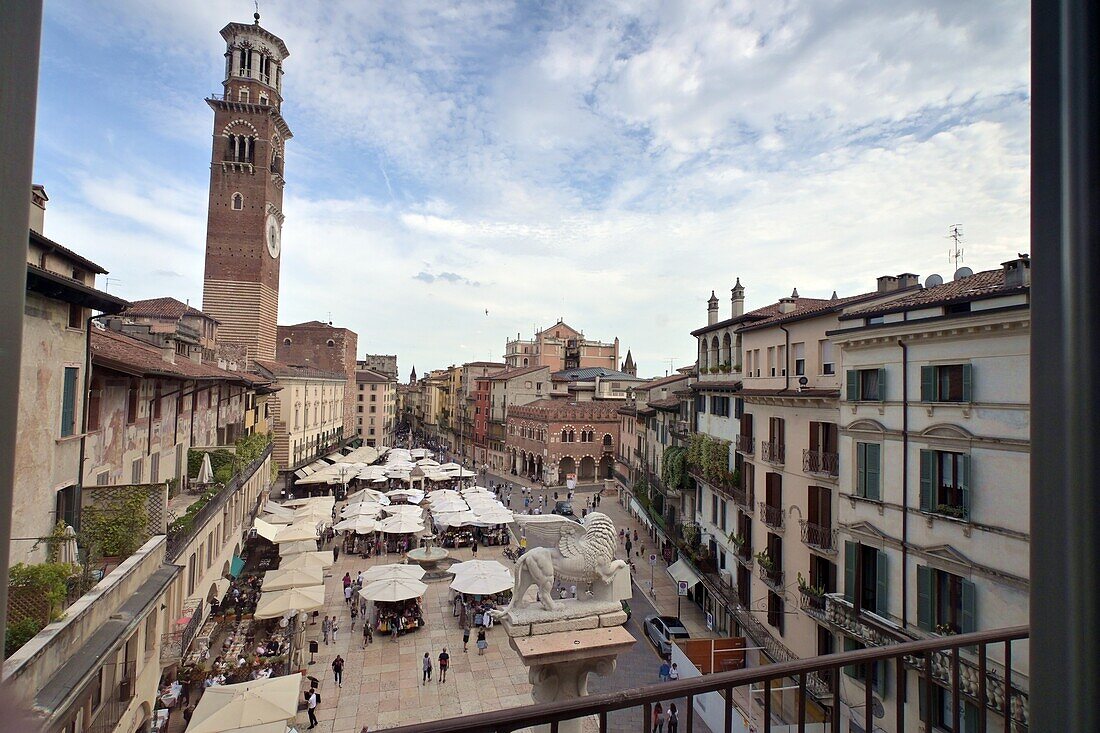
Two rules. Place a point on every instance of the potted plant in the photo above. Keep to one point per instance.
(810, 590)
(765, 561)
(949, 510)
(736, 540)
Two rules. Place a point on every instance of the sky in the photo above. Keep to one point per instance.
(463, 173)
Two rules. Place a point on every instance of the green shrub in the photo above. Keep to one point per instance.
(18, 634)
(117, 527)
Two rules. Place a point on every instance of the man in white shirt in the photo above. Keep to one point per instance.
(311, 707)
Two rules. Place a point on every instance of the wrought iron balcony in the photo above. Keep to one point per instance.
(821, 463)
(771, 515)
(744, 444)
(813, 603)
(937, 659)
(771, 575)
(772, 451)
(822, 539)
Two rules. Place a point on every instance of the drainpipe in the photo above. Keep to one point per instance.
(787, 358)
(904, 483)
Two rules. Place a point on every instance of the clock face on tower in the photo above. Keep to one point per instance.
(273, 236)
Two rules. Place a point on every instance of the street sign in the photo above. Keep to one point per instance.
(652, 559)
(681, 587)
(710, 621)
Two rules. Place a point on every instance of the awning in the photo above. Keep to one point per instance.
(236, 565)
(265, 530)
(643, 515)
(682, 572)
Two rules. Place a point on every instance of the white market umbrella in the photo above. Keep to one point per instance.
(496, 516)
(392, 590)
(294, 548)
(247, 704)
(281, 602)
(401, 524)
(404, 510)
(464, 473)
(479, 566)
(483, 583)
(284, 578)
(368, 495)
(393, 570)
(307, 560)
(206, 471)
(296, 533)
(455, 519)
(446, 507)
(357, 525)
(408, 494)
(362, 509)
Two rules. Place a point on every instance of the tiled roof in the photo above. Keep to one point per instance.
(281, 369)
(517, 372)
(369, 375)
(980, 285)
(127, 354)
(753, 315)
(724, 385)
(42, 241)
(55, 285)
(789, 393)
(806, 308)
(564, 409)
(579, 375)
(163, 308)
(669, 403)
(660, 381)
(484, 363)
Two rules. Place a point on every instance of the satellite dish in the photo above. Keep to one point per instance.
(876, 708)
(803, 381)
(961, 273)
(932, 281)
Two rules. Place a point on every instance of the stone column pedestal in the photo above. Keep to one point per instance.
(559, 663)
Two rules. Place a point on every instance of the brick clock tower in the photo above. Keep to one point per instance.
(245, 213)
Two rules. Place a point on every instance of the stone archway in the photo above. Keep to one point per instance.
(587, 470)
(566, 466)
(607, 465)
(538, 467)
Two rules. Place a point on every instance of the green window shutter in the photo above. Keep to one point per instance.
(923, 703)
(969, 718)
(927, 476)
(853, 385)
(882, 384)
(924, 597)
(851, 670)
(851, 552)
(964, 482)
(927, 384)
(968, 618)
(880, 678)
(968, 383)
(861, 469)
(68, 403)
(874, 471)
(882, 585)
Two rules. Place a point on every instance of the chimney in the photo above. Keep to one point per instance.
(887, 284)
(907, 280)
(38, 207)
(738, 299)
(786, 305)
(168, 350)
(712, 309)
(1018, 271)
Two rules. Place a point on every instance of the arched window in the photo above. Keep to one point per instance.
(572, 437)
(564, 437)
(238, 202)
(525, 362)
(607, 440)
(330, 343)
(286, 342)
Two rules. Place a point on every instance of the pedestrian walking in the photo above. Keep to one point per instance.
(444, 662)
(482, 644)
(347, 594)
(338, 670)
(465, 634)
(673, 719)
(427, 669)
(354, 614)
(335, 553)
(659, 718)
(674, 673)
(368, 633)
(335, 628)
(346, 580)
(312, 699)
(473, 549)
(663, 671)
(628, 546)
(326, 629)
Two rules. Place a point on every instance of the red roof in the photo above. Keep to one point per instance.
(281, 369)
(517, 372)
(120, 352)
(164, 308)
(660, 381)
(980, 285)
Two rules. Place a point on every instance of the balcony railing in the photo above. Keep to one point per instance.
(820, 463)
(822, 539)
(812, 603)
(744, 444)
(771, 575)
(772, 451)
(117, 699)
(681, 427)
(771, 515)
(174, 644)
(799, 674)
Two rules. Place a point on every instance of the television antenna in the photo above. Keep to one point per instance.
(107, 283)
(955, 254)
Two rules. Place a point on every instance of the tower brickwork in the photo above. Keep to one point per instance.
(245, 208)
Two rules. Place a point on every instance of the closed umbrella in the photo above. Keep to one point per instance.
(66, 553)
(296, 533)
(386, 572)
(392, 590)
(281, 602)
(357, 525)
(401, 524)
(247, 704)
(307, 560)
(291, 578)
(206, 471)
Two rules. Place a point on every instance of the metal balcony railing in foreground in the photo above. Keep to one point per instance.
(917, 656)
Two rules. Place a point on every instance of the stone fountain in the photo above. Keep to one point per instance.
(429, 557)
